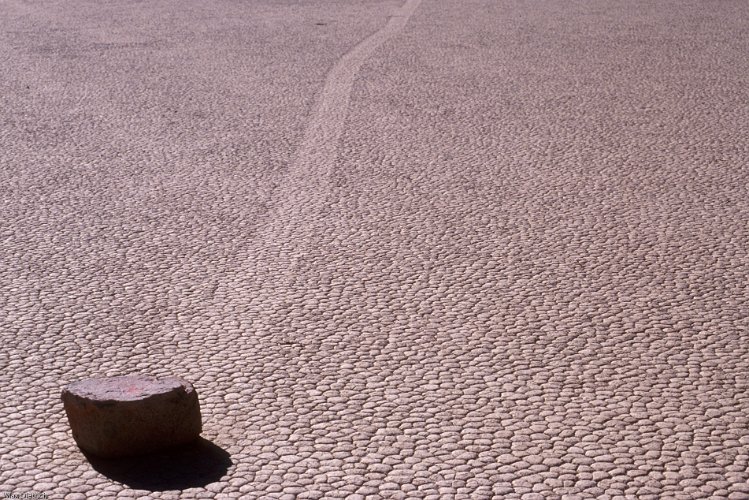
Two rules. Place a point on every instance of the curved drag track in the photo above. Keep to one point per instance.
(441, 249)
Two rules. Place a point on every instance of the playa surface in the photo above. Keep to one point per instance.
(434, 249)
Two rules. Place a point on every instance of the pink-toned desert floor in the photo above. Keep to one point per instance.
(470, 249)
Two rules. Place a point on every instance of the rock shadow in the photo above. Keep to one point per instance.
(194, 465)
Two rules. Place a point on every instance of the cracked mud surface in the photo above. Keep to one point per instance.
(519, 270)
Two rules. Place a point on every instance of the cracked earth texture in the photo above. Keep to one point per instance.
(455, 249)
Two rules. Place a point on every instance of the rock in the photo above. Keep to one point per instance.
(131, 415)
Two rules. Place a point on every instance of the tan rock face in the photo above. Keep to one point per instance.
(131, 415)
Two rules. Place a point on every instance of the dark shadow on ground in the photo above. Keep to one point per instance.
(190, 466)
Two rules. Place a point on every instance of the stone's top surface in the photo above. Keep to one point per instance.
(126, 388)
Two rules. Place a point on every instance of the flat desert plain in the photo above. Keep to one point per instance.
(467, 249)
